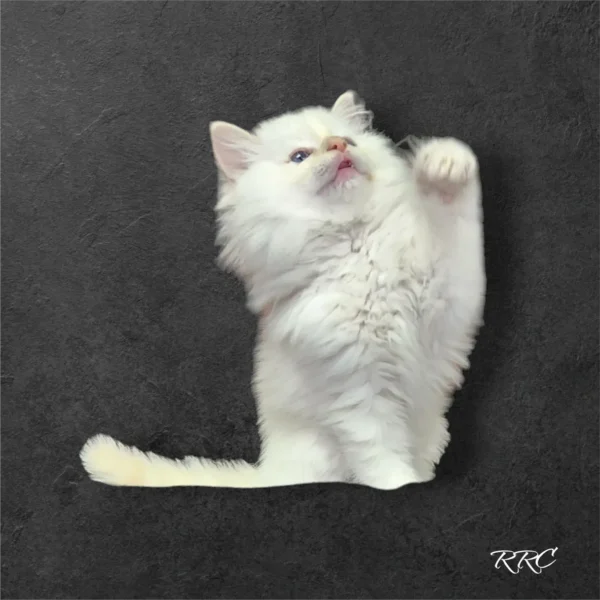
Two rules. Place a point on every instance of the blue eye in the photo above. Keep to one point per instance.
(299, 156)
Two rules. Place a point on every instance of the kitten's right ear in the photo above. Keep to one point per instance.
(352, 108)
(232, 147)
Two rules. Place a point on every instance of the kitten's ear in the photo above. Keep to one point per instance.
(232, 147)
(351, 108)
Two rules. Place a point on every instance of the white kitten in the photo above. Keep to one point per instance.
(367, 268)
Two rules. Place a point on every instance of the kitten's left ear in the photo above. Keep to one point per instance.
(351, 108)
(233, 148)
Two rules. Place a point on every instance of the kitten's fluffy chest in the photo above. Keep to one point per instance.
(364, 293)
(384, 295)
(374, 278)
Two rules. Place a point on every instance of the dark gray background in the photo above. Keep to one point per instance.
(116, 319)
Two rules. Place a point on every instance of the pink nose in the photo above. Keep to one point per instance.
(336, 143)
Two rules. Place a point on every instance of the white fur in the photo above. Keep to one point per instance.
(371, 293)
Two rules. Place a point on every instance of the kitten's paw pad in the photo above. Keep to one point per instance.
(445, 165)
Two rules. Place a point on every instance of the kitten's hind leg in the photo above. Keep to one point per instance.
(378, 443)
(295, 454)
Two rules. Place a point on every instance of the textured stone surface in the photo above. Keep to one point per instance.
(116, 319)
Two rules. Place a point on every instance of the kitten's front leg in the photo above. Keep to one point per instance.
(447, 168)
(449, 191)
(447, 175)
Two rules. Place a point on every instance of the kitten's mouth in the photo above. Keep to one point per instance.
(345, 170)
(340, 170)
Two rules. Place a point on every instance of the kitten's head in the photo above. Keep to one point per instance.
(288, 178)
(314, 156)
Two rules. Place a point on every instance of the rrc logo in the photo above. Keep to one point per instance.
(515, 561)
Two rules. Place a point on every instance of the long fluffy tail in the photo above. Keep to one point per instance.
(108, 461)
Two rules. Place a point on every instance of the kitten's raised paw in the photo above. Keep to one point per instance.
(445, 165)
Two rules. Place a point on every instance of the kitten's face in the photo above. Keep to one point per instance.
(320, 154)
(314, 151)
